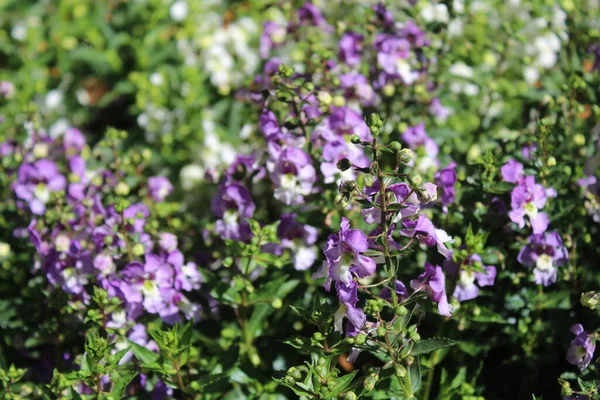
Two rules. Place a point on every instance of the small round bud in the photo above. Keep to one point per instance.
(361, 338)
(350, 340)
(415, 337)
(338, 101)
(138, 249)
(355, 140)
(395, 145)
(309, 86)
(295, 373)
(321, 361)
(318, 336)
(276, 303)
(400, 371)
(122, 189)
(404, 156)
(349, 396)
(401, 311)
(371, 381)
(381, 331)
(590, 299)
(324, 98)
(414, 179)
(551, 161)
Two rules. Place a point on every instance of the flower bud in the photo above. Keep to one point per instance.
(590, 299)
(551, 161)
(341, 202)
(324, 98)
(414, 179)
(381, 331)
(4, 249)
(404, 156)
(395, 145)
(401, 311)
(295, 373)
(400, 371)
(415, 337)
(371, 381)
(355, 139)
(122, 189)
(138, 249)
(285, 71)
(339, 101)
(344, 164)
(349, 396)
(276, 303)
(361, 338)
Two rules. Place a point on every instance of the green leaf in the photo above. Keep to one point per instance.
(203, 382)
(255, 324)
(499, 187)
(144, 355)
(341, 384)
(299, 391)
(121, 384)
(414, 373)
(278, 288)
(114, 359)
(426, 346)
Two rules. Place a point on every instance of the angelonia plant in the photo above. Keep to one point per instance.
(406, 207)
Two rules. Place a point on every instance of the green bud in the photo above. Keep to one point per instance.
(355, 140)
(369, 180)
(414, 179)
(404, 156)
(318, 336)
(349, 396)
(295, 373)
(285, 71)
(415, 337)
(276, 303)
(400, 371)
(371, 381)
(551, 161)
(350, 340)
(321, 361)
(590, 299)
(395, 145)
(401, 311)
(381, 331)
(290, 380)
(138, 249)
(361, 338)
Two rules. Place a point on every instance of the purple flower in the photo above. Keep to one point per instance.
(544, 253)
(310, 14)
(582, 348)
(73, 141)
(512, 171)
(423, 230)
(415, 35)
(36, 182)
(433, 281)
(393, 54)
(356, 86)
(291, 170)
(149, 285)
(401, 291)
(526, 199)
(528, 151)
(383, 15)
(438, 110)
(159, 188)
(138, 213)
(350, 48)
(232, 205)
(272, 36)
(416, 137)
(446, 179)
(299, 239)
(466, 289)
(343, 252)
(7, 89)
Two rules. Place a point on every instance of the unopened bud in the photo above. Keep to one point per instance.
(395, 145)
(590, 299)
(415, 337)
(324, 98)
(401, 311)
(138, 249)
(414, 179)
(404, 156)
(369, 180)
(276, 303)
(400, 371)
(381, 331)
(344, 164)
(361, 338)
(371, 381)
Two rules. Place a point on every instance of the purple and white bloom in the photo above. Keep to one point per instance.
(356, 86)
(73, 141)
(446, 179)
(343, 252)
(350, 48)
(272, 36)
(299, 239)
(433, 281)
(148, 284)
(137, 213)
(167, 242)
(423, 230)
(36, 182)
(544, 253)
(582, 348)
(527, 198)
(291, 170)
(470, 279)
(384, 16)
(159, 188)
(232, 205)
(393, 57)
(438, 110)
(401, 291)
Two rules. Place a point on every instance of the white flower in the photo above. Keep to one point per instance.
(191, 175)
(179, 11)
(461, 69)
(156, 79)
(54, 99)
(435, 12)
